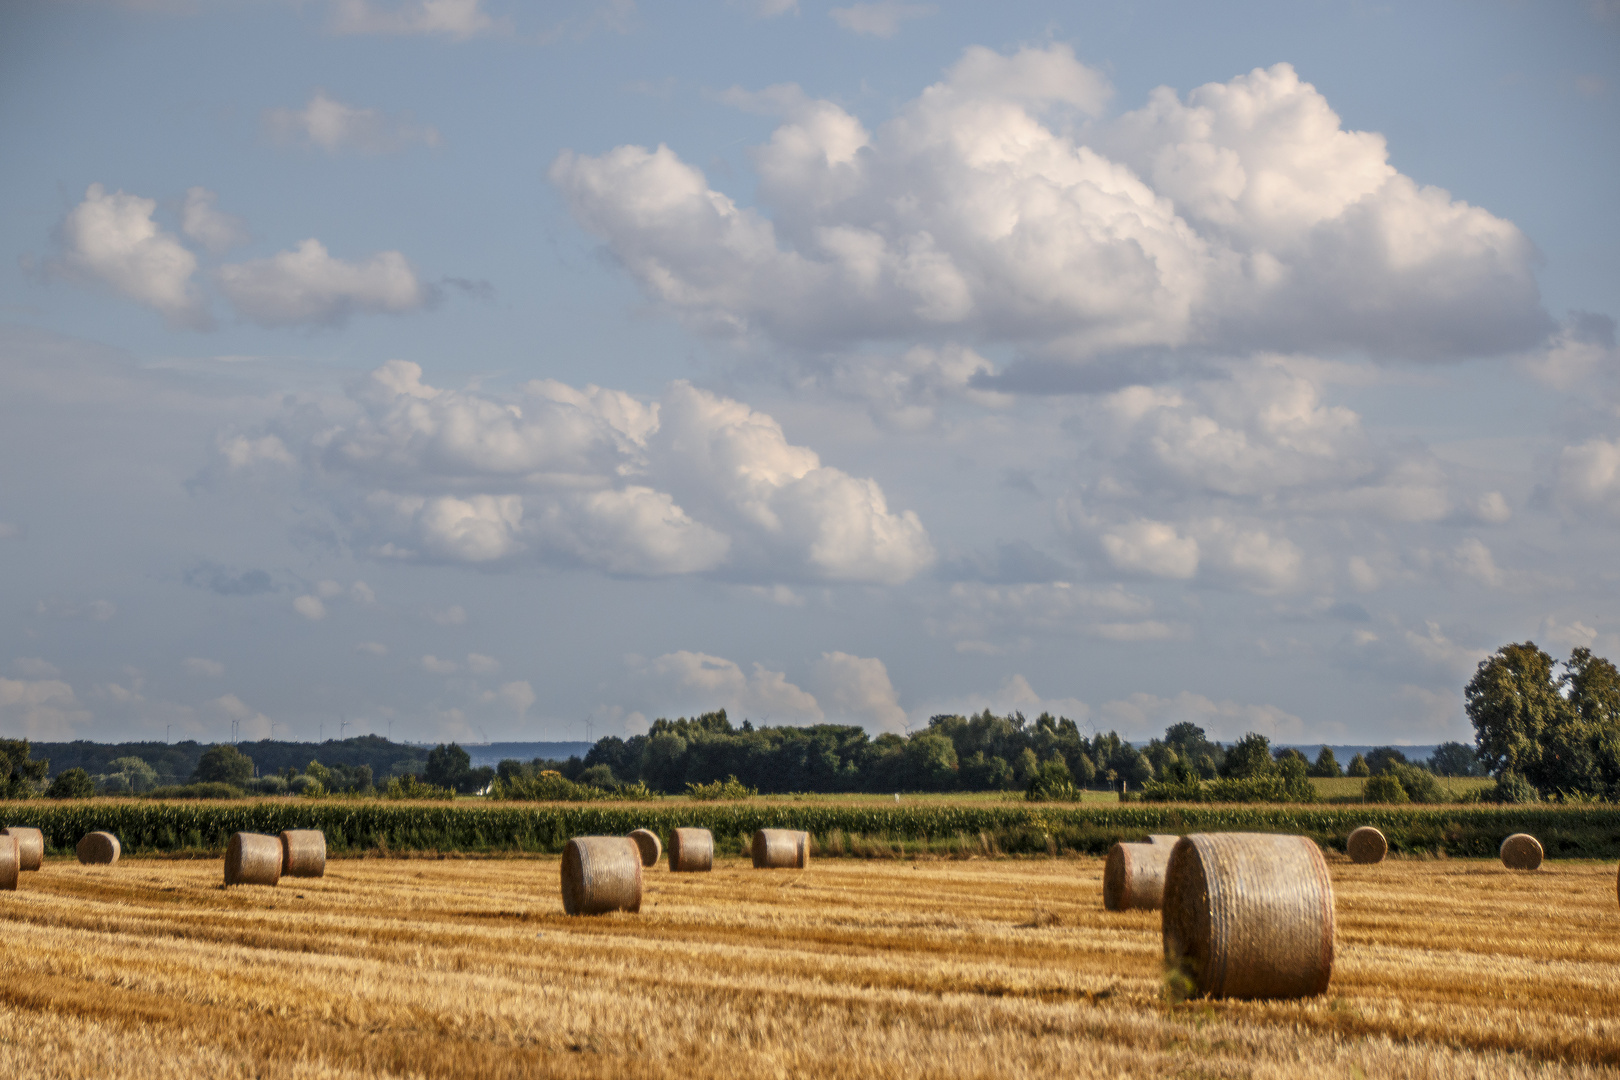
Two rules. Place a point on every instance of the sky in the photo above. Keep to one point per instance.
(464, 369)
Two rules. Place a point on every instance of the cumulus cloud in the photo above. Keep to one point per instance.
(308, 287)
(1243, 216)
(454, 19)
(111, 238)
(434, 666)
(692, 483)
(880, 19)
(699, 682)
(310, 607)
(1586, 478)
(201, 220)
(335, 126)
(858, 688)
(40, 708)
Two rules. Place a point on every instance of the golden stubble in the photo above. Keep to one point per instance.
(950, 969)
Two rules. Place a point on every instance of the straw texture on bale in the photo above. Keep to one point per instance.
(781, 849)
(303, 853)
(691, 851)
(601, 874)
(1366, 845)
(30, 846)
(1166, 839)
(647, 843)
(252, 859)
(10, 868)
(1249, 915)
(99, 848)
(1133, 876)
(1521, 851)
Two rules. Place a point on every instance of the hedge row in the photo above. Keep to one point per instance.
(355, 826)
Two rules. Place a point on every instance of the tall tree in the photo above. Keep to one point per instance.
(1514, 704)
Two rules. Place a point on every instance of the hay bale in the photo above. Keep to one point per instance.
(601, 874)
(10, 866)
(647, 843)
(30, 846)
(1521, 851)
(1249, 915)
(1166, 839)
(691, 851)
(303, 853)
(781, 849)
(99, 849)
(252, 859)
(1133, 876)
(1366, 845)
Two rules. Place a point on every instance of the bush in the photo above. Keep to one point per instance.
(1053, 783)
(409, 787)
(731, 788)
(1513, 788)
(1263, 789)
(551, 786)
(1384, 788)
(1420, 784)
(1357, 767)
(212, 790)
(223, 764)
(269, 785)
(71, 784)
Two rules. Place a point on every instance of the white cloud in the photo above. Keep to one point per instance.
(692, 483)
(1244, 217)
(310, 607)
(202, 668)
(434, 666)
(1151, 547)
(698, 682)
(1587, 478)
(518, 696)
(880, 19)
(372, 648)
(31, 667)
(768, 9)
(334, 126)
(307, 286)
(113, 239)
(361, 593)
(479, 664)
(40, 708)
(242, 452)
(454, 19)
(858, 688)
(250, 721)
(203, 222)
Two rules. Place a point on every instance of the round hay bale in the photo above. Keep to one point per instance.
(601, 874)
(1249, 915)
(1521, 851)
(1133, 876)
(781, 849)
(1166, 839)
(647, 843)
(1366, 845)
(691, 851)
(303, 853)
(30, 846)
(10, 867)
(252, 859)
(99, 849)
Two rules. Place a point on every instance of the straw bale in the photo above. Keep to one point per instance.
(1167, 839)
(1133, 876)
(99, 848)
(10, 867)
(30, 846)
(303, 853)
(691, 851)
(647, 843)
(1249, 915)
(1366, 845)
(601, 874)
(781, 849)
(252, 859)
(1521, 851)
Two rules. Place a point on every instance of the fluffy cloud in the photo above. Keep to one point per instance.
(454, 19)
(333, 126)
(692, 483)
(1587, 478)
(39, 708)
(698, 682)
(1243, 217)
(310, 607)
(202, 221)
(307, 286)
(113, 239)
(859, 689)
(881, 19)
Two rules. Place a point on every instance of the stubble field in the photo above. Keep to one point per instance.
(945, 968)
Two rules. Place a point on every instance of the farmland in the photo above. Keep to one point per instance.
(902, 968)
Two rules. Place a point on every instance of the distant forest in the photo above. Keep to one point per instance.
(176, 763)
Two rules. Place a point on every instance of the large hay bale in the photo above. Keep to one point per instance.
(647, 843)
(99, 849)
(30, 846)
(252, 859)
(10, 866)
(691, 851)
(1366, 845)
(303, 853)
(1521, 851)
(1249, 915)
(781, 849)
(601, 874)
(1133, 876)
(1165, 839)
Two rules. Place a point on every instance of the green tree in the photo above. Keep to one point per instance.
(137, 774)
(1514, 705)
(1454, 759)
(20, 775)
(1384, 788)
(223, 764)
(1358, 767)
(448, 766)
(1249, 758)
(1326, 766)
(1380, 760)
(663, 764)
(930, 762)
(71, 784)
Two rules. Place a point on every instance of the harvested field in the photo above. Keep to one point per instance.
(943, 968)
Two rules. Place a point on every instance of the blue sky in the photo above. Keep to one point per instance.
(469, 370)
